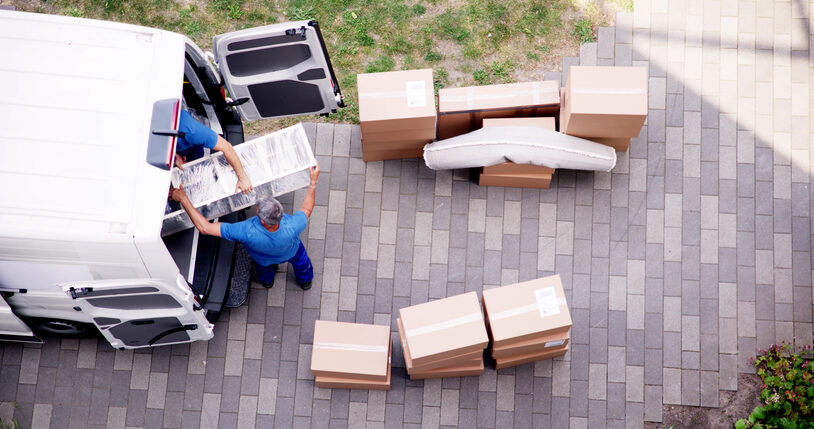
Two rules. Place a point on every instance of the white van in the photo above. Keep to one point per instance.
(88, 118)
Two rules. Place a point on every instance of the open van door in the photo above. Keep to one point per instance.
(137, 313)
(12, 328)
(278, 70)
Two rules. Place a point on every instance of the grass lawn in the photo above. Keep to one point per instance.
(465, 42)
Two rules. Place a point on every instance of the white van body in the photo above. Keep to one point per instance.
(81, 208)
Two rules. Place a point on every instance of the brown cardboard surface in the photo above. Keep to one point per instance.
(350, 350)
(604, 102)
(527, 358)
(413, 129)
(473, 368)
(440, 363)
(526, 310)
(534, 345)
(443, 328)
(378, 155)
(548, 122)
(352, 383)
(621, 144)
(515, 180)
(461, 110)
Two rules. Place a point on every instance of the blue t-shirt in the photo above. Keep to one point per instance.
(197, 136)
(266, 247)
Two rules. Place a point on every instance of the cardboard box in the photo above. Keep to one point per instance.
(514, 175)
(461, 110)
(534, 345)
(396, 110)
(526, 311)
(440, 363)
(621, 144)
(514, 180)
(352, 383)
(351, 350)
(466, 369)
(532, 357)
(604, 102)
(444, 328)
(383, 154)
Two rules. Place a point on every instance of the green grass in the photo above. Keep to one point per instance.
(470, 41)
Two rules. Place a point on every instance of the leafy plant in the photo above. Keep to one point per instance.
(788, 389)
(301, 13)
(419, 10)
(482, 77)
(381, 64)
(503, 70)
(235, 12)
(582, 31)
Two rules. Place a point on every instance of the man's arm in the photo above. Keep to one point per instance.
(204, 226)
(310, 196)
(243, 183)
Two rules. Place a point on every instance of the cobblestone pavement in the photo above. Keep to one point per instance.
(692, 254)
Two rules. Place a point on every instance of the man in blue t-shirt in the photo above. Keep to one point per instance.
(272, 237)
(196, 137)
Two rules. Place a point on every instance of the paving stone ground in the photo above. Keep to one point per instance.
(692, 254)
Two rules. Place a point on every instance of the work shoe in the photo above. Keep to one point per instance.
(305, 286)
(267, 285)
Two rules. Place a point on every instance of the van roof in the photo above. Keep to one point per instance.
(76, 111)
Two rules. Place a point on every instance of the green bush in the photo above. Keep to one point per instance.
(583, 32)
(788, 389)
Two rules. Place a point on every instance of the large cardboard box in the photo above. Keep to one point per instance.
(444, 328)
(351, 350)
(435, 364)
(464, 369)
(461, 110)
(515, 180)
(604, 102)
(534, 345)
(526, 311)
(531, 357)
(621, 144)
(396, 111)
(352, 383)
(383, 154)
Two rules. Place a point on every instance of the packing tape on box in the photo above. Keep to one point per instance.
(546, 303)
(471, 95)
(411, 94)
(609, 91)
(472, 317)
(350, 347)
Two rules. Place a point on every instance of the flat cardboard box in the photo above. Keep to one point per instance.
(461, 110)
(396, 109)
(353, 383)
(440, 363)
(526, 310)
(604, 102)
(470, 368)
(534, 345)
(527, 358)
(351, 350)
(444, 328)
(514, 180)
(383, 154)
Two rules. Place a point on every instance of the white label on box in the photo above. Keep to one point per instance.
(416, 93)
(554, 343)
(547, 302)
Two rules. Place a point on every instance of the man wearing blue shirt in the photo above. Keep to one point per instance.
(272, 237)
(196, 137)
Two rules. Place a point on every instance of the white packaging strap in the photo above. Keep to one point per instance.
(472, 317)
(521, 145)
(545, 304)
(350, 347)
(609, 91)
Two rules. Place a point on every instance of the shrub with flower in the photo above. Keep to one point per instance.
(788, 389)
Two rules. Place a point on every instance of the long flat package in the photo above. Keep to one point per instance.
(442, 328)
(433, 365)
(461, 110)
(501, 363)
(276, 164)
(521, 145)
(526, 310)
(351, 351)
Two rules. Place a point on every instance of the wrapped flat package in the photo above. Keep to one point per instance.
(276, 164)
(521, 145)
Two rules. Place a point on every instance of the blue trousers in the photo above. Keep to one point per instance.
(303, 269)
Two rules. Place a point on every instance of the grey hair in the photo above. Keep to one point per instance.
(269, 209)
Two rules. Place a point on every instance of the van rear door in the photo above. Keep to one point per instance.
(278, 70)
(136, 313)
(12, 328)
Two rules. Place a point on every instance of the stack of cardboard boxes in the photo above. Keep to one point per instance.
(605, 104)
(443, 338)
(517, 175)
(396, 113)
(527, 321)
(351, 355)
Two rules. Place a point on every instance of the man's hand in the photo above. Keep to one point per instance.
(243, 185)
(180, 160)
(314, 174)
(178, 194)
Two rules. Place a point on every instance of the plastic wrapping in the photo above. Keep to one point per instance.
(521, 145)
(276, 164)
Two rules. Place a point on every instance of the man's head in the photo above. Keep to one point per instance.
(269, 210)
